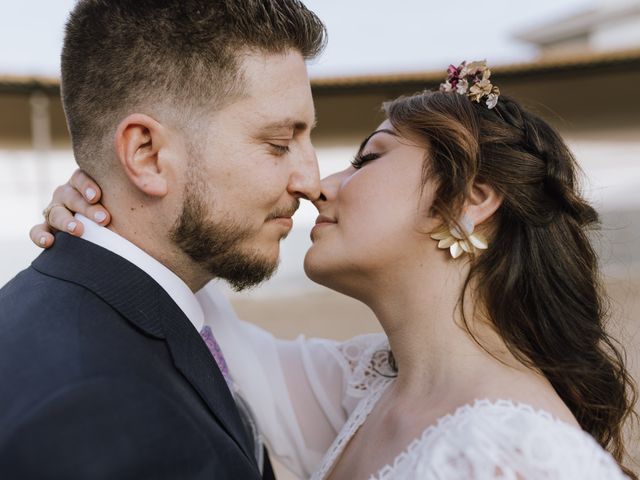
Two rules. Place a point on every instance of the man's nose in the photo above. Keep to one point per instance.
(305, 178)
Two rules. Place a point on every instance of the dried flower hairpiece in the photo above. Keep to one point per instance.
(472, 80)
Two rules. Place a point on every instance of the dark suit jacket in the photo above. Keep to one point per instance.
(103, 376)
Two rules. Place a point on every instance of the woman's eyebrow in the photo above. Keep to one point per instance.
(366, 140)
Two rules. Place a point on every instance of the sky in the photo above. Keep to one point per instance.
(365, 36)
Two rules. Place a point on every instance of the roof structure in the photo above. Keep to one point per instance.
(583, 23)
(576, 63)
(22, 84)
(570, 64)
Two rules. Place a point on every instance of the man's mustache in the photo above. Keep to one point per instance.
(287, 211)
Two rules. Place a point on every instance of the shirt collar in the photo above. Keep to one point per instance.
(169, 281)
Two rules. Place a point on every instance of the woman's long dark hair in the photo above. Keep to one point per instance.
(539, 281)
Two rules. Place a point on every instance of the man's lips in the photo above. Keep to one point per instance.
(284, 221)
(283, 216)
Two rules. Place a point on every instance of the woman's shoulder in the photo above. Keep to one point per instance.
(503, 439)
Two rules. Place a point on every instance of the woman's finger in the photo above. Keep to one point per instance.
(84, 184)
(41, 235)
(62, 219)
(68, 196)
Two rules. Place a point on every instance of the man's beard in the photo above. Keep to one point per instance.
(216, 246)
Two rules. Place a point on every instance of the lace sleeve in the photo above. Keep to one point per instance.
(301, 391)
(503, 440)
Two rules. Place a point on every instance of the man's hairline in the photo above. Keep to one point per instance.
(240, 91)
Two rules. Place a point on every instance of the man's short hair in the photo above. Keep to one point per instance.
(121, 56)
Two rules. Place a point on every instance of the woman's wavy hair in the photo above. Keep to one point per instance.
(539, 281)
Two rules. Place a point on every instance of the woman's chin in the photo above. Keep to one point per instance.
(328, 273)
(311, 268)
(317, 268)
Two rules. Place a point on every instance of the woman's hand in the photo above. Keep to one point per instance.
(79, 195)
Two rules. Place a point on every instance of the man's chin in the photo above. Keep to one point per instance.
(246, 270)
(268, 251)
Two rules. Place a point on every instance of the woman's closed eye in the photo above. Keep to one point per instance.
(360, 159)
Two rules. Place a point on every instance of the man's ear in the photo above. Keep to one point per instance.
(138, 141)
(482, 202)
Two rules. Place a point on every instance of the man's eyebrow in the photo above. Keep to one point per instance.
(289, 124)
(366, 140)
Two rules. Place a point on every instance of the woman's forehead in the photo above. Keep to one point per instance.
(385, 125)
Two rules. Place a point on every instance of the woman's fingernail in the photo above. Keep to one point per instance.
(100, 216)
(90, 193)
(72, 226)
(43, 241)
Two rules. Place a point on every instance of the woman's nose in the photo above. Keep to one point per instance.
(329, 187)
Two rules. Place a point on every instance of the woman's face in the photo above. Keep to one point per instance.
(374, 218)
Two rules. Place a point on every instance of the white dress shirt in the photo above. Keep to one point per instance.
(169, 281)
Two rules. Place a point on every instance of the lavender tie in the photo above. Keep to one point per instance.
(246, 415)
(216, 352)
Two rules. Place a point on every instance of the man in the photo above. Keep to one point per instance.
(194, 116)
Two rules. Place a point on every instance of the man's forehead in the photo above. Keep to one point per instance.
(277, 93)
(260, 118)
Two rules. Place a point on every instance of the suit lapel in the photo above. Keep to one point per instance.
(193, 359)
(138, 298)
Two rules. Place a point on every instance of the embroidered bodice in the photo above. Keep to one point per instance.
(492, 440)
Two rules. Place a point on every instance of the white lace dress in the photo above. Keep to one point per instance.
(496, 440)
(311, 396)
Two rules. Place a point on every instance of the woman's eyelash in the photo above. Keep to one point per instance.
(359, 160)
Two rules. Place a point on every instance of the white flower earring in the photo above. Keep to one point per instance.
(456, 242)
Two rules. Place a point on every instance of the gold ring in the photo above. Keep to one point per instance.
(47, 211)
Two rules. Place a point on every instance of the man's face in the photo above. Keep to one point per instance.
(248, 170)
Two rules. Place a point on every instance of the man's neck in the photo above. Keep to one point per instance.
(165, 252)
(181, 293)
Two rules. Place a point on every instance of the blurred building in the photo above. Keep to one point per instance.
(607, 26)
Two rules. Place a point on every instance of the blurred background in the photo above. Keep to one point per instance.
(575, 62)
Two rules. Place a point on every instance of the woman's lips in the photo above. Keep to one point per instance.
(324, 219)
(321, 221)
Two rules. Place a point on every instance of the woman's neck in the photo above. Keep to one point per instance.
(421, 314)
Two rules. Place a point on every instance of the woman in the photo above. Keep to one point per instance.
(459, 224)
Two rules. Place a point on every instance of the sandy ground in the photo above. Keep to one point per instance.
(331, 315)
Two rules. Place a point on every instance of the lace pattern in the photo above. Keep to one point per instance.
(356, 419)
(502, 440)
(368, 359)
(492, 440)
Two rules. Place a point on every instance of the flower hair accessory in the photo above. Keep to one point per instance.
(472, 80)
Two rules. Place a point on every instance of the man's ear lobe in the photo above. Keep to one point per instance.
(482, 202)
(138, 141)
